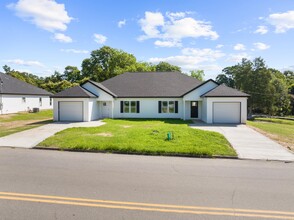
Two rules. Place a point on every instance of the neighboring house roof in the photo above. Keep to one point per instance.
(13, 86)
(224, 91)
(75, 92)
(150, 84)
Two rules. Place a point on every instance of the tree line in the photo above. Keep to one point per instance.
(271, 91)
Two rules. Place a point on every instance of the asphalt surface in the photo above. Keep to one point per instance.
(71, 185)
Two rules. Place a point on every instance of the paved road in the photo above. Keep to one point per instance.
(101, 186)
(248, 143)
(30, 138)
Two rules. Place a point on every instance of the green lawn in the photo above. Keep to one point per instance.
(277, 129)
(13, 123)
(142, 137)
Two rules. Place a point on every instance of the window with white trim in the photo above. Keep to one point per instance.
(24, 100)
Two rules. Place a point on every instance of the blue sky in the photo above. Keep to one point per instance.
(40, 36)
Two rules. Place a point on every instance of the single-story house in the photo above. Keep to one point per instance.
(18, 96)
(152, 95)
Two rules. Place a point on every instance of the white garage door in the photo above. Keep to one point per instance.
(226, 112)
(70, 111)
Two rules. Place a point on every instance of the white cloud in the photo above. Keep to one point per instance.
(261, 30)
(237, 57)
(62, 38)
(261, 46)
(121, 23)
(239, 47)
(177, 15)
(212, 67)
(99, 38)
(167, 43)
(21, 62)
(74, 51)
(46, 14)
(282, 21)
(219, 46)
(149, 24)
(190, 58)
(189, 27)
(174, 27)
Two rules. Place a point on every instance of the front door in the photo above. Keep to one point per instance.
(105, 109)
(194, 109)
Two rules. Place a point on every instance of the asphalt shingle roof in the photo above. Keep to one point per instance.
(74, 92)
(150, 84)
(224, 91)
(12, 86)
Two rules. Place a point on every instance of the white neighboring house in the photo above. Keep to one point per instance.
(18, 96)
(152, 95)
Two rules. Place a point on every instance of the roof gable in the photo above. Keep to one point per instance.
(75, 92)
(224, 91)
(15, 86)
(201, 84)
(100, 86)
(150, 84)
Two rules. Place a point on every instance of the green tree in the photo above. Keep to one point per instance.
(72, 74)
(56, 87)
(197, 74)
(166, 67)
(267, 87)
(106, 63)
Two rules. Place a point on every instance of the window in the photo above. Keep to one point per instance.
(133, 107)
(168, 107)
(171, 107)
(126, 107)
(40, 101)
(50, 101)
(164, 107)
(23, 99)
(129, 107)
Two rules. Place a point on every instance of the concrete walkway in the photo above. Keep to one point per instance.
(30, 138)
(248, 143)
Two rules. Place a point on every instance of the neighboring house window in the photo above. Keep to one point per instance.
(168, 107)
(40, 101)
(129, 107)
(23, 99)
(50, 101)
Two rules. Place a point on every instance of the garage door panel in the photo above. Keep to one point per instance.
(226, 112)
(70, 111)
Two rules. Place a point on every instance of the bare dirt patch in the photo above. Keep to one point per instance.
(7, 116)
(104, 134)
(126, 126)
(15, 124)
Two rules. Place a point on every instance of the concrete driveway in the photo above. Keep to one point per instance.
(248, 143)
(30, 138)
